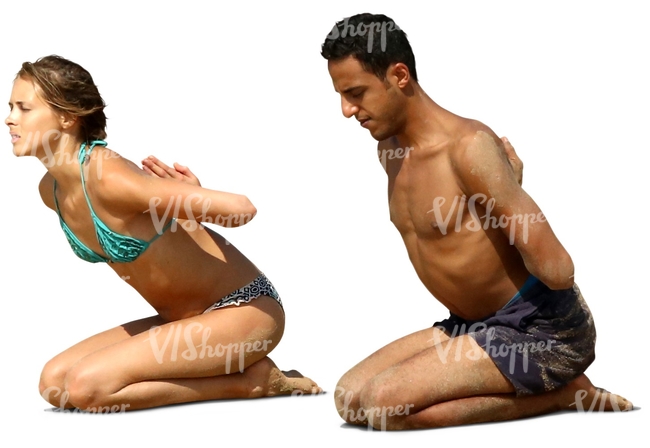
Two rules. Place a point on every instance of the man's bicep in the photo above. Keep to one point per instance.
(484, 171)
(488, 181)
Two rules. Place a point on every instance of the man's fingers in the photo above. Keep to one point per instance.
(513, 158)
(510, 150)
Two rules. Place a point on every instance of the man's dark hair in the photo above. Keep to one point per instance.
(374, 40)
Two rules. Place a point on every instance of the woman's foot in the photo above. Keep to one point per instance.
(269, 381)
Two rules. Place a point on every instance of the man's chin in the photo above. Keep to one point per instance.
(381, 136)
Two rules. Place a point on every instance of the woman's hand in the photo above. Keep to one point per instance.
(179, 172)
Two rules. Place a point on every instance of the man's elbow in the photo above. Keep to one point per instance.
(560, 275)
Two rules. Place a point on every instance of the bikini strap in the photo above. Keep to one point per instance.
(83, 158)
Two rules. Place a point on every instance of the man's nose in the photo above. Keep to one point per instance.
(349, 109)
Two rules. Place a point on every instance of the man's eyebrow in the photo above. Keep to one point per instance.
(350, 89)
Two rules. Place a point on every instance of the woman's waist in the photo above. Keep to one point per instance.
(188, 290)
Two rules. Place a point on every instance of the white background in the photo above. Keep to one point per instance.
(242, 96)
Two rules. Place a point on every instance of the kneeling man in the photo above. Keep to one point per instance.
(519, 335)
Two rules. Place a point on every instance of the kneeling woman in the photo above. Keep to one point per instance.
(218, 315)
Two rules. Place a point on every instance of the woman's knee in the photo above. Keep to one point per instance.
(52, 382)
(84, 387)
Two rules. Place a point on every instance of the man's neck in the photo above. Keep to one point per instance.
(426, 124)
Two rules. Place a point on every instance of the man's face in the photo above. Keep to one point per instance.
(375, 103)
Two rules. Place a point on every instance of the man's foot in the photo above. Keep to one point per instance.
(276, 382)
(586, 397)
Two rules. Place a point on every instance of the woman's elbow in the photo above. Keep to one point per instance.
(246, 211)
(248, 207)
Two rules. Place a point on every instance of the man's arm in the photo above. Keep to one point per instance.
(483, 168)
(515, 162)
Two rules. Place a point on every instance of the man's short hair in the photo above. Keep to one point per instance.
(374, 40)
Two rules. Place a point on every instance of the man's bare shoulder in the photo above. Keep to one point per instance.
(475, 146)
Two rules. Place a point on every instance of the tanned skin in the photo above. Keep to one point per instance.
(470, 269)
(186, 270)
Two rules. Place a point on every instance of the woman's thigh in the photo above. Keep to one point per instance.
(220, 342)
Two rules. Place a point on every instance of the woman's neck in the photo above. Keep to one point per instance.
(60, 158)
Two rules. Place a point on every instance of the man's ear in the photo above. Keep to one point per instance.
(401, 72)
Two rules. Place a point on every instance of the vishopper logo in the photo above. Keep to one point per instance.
(503, 221)
(202, 350)
(390, 154)
(53, 392)
(362, 29)
(600, 397)
(491, 349)
(375, 417)
(192, 221)
(51, 158)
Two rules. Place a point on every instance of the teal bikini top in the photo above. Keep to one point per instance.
(118, 248)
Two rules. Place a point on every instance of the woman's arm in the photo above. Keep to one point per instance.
(155, 167)
(121, 184)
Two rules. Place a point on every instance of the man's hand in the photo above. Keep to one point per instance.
(179, 172)
(515, 162)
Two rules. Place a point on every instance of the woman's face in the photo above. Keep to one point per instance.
(33, 125)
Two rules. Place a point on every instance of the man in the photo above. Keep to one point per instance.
(519, 335)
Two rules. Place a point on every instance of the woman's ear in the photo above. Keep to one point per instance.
(67, 120)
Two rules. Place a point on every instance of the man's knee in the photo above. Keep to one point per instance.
(382, 411)
(346, 397)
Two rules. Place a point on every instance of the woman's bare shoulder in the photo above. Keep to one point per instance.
(46, 189)
(114, 179)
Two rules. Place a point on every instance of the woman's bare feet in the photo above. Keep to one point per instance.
(584, 396)
(269, 381)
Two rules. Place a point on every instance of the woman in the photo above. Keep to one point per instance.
(218, 315)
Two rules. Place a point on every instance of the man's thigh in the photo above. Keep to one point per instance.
(451, 369)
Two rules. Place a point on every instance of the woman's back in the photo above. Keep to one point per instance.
(180, 271)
